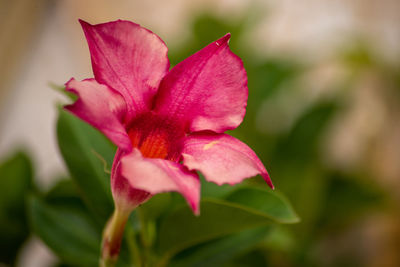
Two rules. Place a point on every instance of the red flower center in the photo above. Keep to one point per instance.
(156, 137)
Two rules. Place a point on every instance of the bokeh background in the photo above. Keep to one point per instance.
(323, 110)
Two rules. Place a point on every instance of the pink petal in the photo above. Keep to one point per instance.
(222, 158)
(160, 175)
(125, 196)
(101, 107)
(207, 91)
(128, 58)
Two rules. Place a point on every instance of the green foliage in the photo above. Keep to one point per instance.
(222, 250)
(15, 182)
(300, 145)
(80, 146)
(245, 208)
(67, 229)
(349, 197)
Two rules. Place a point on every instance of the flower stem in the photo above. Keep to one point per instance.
(112, 237)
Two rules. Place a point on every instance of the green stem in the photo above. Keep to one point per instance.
(143, 228)
(146, 237)
(112, 237)
(133, 247)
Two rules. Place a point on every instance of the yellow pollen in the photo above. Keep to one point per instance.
(210, 145)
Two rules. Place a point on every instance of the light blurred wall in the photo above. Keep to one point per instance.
(315, 28)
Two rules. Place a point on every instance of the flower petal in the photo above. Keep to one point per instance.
(128, 58)
(207, 91)
(160, 175)
(101, 107)
(222, 158)
(125, 196)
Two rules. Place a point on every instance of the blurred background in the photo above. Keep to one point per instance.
(323, 110)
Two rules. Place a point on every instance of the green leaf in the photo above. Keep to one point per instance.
(156, 206)
(64, 190)
(216, 191)
(348, 197)
(180, 229)
(301, 145)
(68, 230)
(64, 197)
(220, 251)
(280, 238)
(81, 145)
(15, 183)
(266, 77)
(254, 258)
(265, 202)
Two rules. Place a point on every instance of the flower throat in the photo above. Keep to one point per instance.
(156, 137)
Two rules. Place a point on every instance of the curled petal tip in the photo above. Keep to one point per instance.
(224, 40)
(85, 26)
(268, 180)
(272, 186)
(195, 206)
(84, 23)
(196, 212)
(222, 158)
(68, 82)
(216, 97)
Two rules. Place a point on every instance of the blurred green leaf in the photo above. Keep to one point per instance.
(156, 206)
(15, 184)
(206, 29)
(359, 55)
(220, 251)
(254, 258)
(301, 144)
(180, 229)
(65, 198)
(266, 77)
(65, 190)
(145, 217)
(348, 198)
(209, 189)
(68, 230)
(279, 238)
(80, 145)
(265, 202)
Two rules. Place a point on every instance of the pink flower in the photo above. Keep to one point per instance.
(166, 123)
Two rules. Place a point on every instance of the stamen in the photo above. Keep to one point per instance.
(156, 137)
(155, 145)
